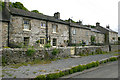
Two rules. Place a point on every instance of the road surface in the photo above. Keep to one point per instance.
(109, 70)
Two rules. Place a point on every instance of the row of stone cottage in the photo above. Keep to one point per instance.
(20, 26)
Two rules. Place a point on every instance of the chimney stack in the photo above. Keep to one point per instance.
(79, 22)
(108, 26)
(97, 24)
(57, 15)
(6, 3)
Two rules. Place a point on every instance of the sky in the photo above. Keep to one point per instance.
(89, 11)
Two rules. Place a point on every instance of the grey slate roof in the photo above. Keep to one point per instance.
(94, 30)
(24, 13)
(109, 29)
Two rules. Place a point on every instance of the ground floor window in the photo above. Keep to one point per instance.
(26, 41)
(54, 41)
(42, 40)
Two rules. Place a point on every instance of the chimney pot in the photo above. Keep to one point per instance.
(97, 24)
(6, 3)
(57, 15)
(108, 26)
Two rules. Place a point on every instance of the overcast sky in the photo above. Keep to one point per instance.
(89, 11)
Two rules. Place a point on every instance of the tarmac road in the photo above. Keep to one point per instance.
(109, 70)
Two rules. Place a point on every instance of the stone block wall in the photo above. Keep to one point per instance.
(4, 34)
(62, 34)
(91, 49)
(17, 55)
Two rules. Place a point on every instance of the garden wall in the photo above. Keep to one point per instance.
(18, 55)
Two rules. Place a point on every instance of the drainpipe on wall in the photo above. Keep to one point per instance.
(70, 32)
(46, 31)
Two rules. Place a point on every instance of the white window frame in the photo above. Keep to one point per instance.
(74, 31)
(54, 28)
(43, 25)
(26, 25)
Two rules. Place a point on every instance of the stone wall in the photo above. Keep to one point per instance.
(17, 55)
(81, 34)
(17, 31)
(91, 50)
(111, 36)
(62, 34)
(4, 34)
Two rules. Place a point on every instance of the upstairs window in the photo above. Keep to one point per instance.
(55, 28)
(74, 31)
(43, 24)
(27, 25)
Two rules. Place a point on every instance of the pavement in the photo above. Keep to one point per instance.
(55, 66)
(109, 70)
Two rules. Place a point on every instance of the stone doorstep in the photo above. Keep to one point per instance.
(67, 69)
(75, 56)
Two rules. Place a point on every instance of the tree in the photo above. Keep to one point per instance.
(19, 6)
(36, 11)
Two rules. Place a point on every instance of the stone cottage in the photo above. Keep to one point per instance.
(29, 28)
(111, 36)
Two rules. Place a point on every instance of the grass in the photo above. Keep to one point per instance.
(35, 62)
(42, 70)
(34, 72)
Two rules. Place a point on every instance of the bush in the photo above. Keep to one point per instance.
(40, 77)
(30, 51)
(52, 76)
(55, 51)
(61, 74)
(113, 59)
(71, 71)
(4, 61)
(47, 45)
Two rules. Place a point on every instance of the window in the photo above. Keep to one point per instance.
(42, 41)
(74, 31)
(26, 41)
(54, 41)
(43, 24)
(27, 24)
(74, 41)
(55, 28)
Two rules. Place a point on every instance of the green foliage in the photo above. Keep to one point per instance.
(30, 51)
(52, 76)
(6, 47)
(36, 11)
(19, 6)
(71, 71)
(55, 51)
(40, 77)
(48, 45)
(38, 41)
(92, 39)
(113, 59)
(4, 61)
(61, 74)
